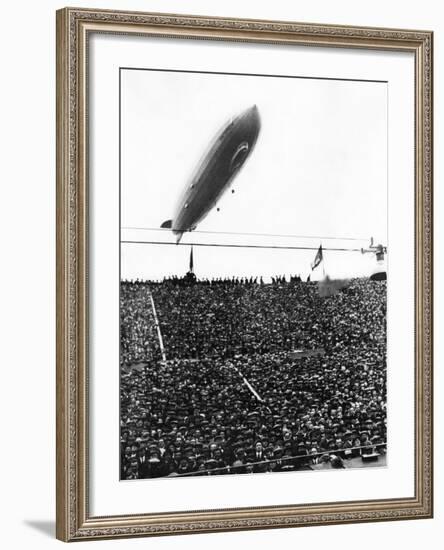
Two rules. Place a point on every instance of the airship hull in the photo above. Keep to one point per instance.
(224, 159)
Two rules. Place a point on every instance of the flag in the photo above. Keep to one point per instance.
(191, 261)
(318, 258)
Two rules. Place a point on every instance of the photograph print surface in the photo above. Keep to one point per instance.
(253, 251)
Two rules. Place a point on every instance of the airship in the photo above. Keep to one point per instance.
(223, 160)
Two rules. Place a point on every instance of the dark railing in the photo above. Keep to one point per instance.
(305, 457)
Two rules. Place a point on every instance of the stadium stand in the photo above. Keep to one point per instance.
(257, 378)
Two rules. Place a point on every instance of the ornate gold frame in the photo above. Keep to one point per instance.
(73, 519)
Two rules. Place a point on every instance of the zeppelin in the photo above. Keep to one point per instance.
(225, 157)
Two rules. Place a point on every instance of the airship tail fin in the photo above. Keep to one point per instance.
(167, 224)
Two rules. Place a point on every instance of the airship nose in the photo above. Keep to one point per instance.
(251, 111)
(252, 115)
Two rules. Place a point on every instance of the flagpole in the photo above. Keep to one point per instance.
(323, 262)
(191, 260)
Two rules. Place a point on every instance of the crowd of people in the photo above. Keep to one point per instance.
(236, 394)
(226, 319)
(138, 338)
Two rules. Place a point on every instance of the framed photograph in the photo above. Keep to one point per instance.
(244, 274)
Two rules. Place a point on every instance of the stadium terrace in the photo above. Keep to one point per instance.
(237, 376)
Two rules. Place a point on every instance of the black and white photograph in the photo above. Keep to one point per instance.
(253, 272)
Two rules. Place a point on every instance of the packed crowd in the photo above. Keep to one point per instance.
(235, 395)
(138, 338)
(228, 319)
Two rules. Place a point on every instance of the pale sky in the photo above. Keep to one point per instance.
(319, 168)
